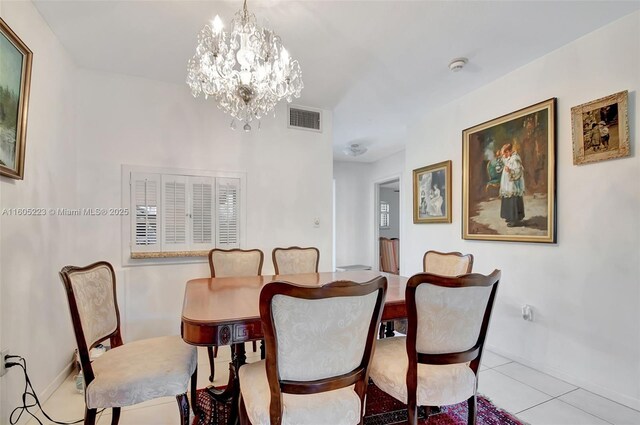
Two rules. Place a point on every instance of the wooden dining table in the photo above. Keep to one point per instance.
(226, 311)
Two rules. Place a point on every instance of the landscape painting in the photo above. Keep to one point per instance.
(509, 177)
(15, 73)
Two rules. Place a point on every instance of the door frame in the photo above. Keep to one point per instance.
(376, 217)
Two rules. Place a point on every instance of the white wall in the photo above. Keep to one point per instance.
(351, 224)
(586, 288)
(355, 209)
(35, 321)
(127, 120)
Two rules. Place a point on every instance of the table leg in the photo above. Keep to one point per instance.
(232, 392)
(239, 358)
(389, 332)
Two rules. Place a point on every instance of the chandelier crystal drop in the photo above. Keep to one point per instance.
(247, 71)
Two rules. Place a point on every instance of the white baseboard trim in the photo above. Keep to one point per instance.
(623, 399)
(53, 386)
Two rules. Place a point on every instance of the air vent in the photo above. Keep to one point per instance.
(306, 119)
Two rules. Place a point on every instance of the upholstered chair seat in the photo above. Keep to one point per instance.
(438, 385)
(437, 362)
(319, 344)
(337, 407)
(130, 373)
(140, 371)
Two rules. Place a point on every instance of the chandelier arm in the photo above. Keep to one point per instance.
(253, 73)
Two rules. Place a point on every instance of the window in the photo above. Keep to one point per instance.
(384, 215)
(180, 214)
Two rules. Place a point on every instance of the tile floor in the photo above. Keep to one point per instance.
(532, 396)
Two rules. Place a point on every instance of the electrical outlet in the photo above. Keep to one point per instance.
(3, 369)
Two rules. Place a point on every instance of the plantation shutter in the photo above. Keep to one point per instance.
(145, 215)
(174, 217)
(201, 190)
(228, 214)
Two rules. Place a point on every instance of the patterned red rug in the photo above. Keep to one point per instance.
(382, 409)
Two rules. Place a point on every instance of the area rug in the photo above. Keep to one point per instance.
(381, 409)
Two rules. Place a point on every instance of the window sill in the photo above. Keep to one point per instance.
(172, 254)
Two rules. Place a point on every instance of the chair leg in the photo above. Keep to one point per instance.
(255, 346)
(212, 365)
(183, 405)
(90, 416)
(472, 403)
(263, 350)
(412, 410)
(115, 416)
(194, 392)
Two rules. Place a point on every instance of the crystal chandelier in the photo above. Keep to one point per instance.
(247, 71)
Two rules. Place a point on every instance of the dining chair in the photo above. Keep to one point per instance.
(442, 263)
(389, 255)
(295, 260)
(447, 263)
(232, 263)
(437, 362)
(130, 373)
(319, 345)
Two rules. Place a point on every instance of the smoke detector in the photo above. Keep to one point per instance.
(354, 149)
(457, 64)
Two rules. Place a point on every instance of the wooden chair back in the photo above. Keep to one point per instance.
(294, 260)
(235, 262)
(447, 263)
(285, 308)
(91, 293)
(457, 309)
(389, 255)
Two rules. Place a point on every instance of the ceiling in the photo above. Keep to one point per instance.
(377, 64)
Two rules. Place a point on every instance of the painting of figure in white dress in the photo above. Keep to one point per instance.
(509, 177)
(432, 193)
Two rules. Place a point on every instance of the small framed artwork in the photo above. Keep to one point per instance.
(508, 177)
(432, 193)
(15, 79)
(600, 129)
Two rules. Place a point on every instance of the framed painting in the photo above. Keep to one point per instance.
(15, 79)
(432, 193)
(509, 179)
(600, 129)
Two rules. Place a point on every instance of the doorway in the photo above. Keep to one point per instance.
(387, 207)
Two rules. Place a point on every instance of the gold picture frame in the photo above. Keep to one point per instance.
(432, 193)
(600, 129)
(15, 82)
(509, 177)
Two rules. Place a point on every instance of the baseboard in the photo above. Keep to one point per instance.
(53, 386)
(623, 399)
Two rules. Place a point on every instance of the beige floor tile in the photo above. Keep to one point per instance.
(556, 412)
(538, 380)
(602, 407)
(160, 414)
(508, 393)
(490, 359)
(64, 405)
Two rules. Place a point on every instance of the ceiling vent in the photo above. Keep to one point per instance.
(305, 118)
